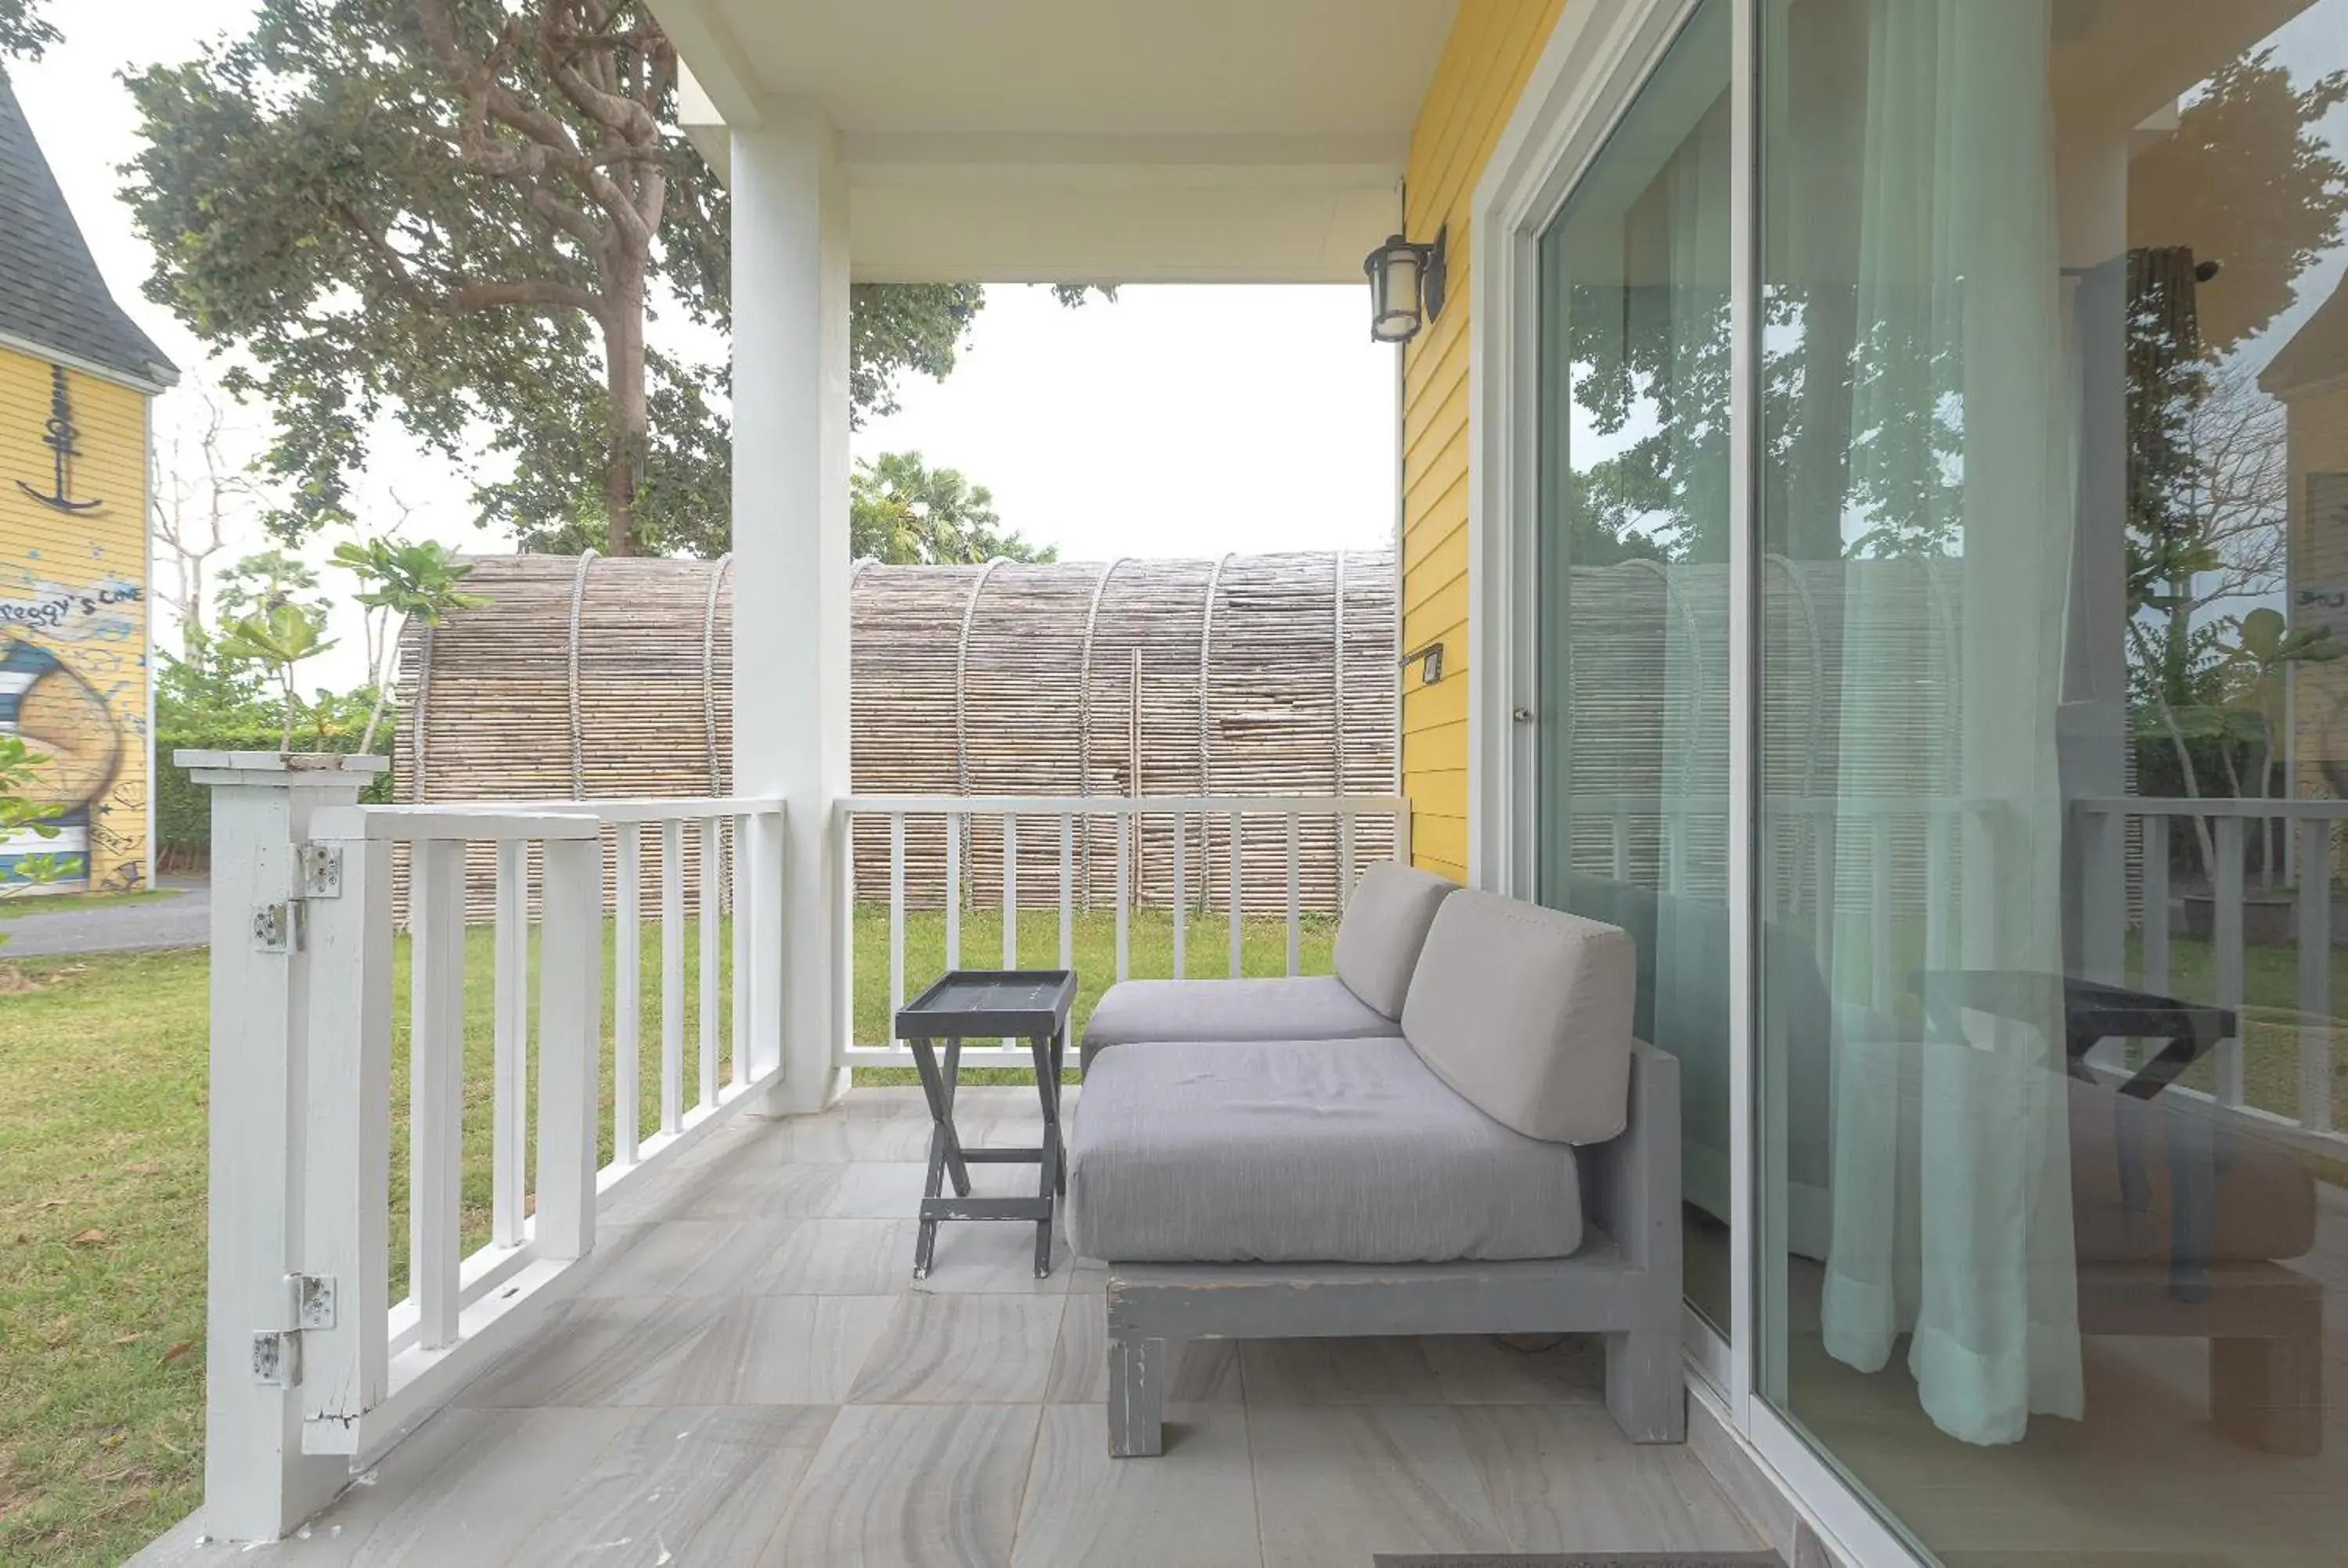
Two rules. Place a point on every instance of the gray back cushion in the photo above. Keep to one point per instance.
(1386, 925)
(1526, 1013)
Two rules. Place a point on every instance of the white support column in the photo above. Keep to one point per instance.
(791, 570)
(258, 1483)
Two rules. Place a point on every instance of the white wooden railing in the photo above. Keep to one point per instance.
(370, 1367)
(1183, 854)
(2307, 838)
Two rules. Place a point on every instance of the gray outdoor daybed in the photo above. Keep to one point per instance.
(1508, 1162)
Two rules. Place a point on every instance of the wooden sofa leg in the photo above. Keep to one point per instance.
(1646, 1385)
(1136, 1398)
(2268, 1393)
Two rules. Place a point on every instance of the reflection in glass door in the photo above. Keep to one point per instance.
(1633, 616)
(2053, 416)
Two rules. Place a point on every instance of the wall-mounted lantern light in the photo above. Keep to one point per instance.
(1404, 278)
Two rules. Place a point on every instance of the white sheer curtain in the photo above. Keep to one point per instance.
(1951, 1192)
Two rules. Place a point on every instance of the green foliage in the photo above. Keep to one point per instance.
(401, 580)
(277, 639)
(461, 215)
(24, 31)
(18, 815)
(903, 513)
(265, 578)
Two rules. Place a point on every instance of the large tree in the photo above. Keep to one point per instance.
(24, 30)
(465, 215)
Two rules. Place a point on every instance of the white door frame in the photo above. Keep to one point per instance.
(1600, 53)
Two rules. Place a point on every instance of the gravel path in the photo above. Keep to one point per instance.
(183, 920)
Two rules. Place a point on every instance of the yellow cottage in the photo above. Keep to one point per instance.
(75, 377)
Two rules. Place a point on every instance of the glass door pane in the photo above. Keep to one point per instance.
(1631, 820)
(2053, 516)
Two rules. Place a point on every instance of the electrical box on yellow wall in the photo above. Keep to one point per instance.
(74, 644)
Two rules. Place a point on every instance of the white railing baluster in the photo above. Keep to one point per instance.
(1068, 890)
(2227, 931)
(436, 1085)
(711, 856)
(1125, 836)
(1181, 901)
(1622, 872)
(510, 1089)
(347, 1198)
(570, 1033)
(627, 988)
(1295, 894)
(1010, 892)
(2314, 857)
(1237, 833)
(896, 919)
(954, 890)
(739, 1014)
(2156, 903)
(672, 985)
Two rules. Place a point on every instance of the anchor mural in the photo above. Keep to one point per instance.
(58, 436)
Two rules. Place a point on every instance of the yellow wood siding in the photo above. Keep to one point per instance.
(73, 612)
(1491, 51)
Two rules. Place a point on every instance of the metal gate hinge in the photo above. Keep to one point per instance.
(321, 871)
(277, 1358)
(314, 1299)
(277, 928)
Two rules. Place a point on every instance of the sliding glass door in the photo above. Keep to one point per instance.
(2020, 594)
(1633, 608)
(2052, 390)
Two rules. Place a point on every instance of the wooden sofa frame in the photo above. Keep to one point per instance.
(1625, 1283)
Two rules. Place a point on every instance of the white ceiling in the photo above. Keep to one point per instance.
(1011, 140)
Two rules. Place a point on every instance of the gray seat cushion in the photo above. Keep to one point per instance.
(1526, 1013)
(1295, 1007)
(1304, 1152)
(1385, 924)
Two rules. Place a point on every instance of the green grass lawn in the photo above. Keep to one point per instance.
(102, 1181)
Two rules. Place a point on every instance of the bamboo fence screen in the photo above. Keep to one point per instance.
(1268, 674)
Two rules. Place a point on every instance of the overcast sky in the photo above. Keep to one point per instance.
(1173, 421)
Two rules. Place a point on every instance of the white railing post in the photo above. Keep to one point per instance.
(347, 1204)
(569, 1043)
(258, 1483)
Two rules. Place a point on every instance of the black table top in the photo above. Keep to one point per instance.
(2088, 1007)
(968, 1003)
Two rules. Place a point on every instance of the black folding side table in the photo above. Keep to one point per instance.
(979, 1004)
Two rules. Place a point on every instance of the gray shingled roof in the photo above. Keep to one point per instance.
(51, 295)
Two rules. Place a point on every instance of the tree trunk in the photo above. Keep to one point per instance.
(623, 373)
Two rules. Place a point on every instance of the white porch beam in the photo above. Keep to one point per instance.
(790, 572)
